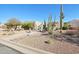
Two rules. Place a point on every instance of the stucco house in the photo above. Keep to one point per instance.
(74, 24)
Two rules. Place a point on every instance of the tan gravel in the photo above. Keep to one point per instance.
(36, 40)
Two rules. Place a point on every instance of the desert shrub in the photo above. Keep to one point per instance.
(64, 28)
(27, 25)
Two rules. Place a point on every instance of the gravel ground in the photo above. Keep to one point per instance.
(37, 40)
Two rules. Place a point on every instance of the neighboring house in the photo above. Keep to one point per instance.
(2, 27)
(40, 27)
(55, 25)
(37, 25)
(74, 24)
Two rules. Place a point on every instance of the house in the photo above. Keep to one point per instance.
(3, 27)
(74, 24)
(38, 25)
(55, 25)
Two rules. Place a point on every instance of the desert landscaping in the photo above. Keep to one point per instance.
(38, 40)
(48, 36)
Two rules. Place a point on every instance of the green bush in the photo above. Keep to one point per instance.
(27, 25)
(64, 28)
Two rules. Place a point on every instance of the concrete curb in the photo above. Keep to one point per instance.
(23, 48)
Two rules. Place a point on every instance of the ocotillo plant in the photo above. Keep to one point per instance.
(54, 19)
(54, 23)
(61, 18)
(50, 24)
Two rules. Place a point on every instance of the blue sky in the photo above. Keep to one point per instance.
(37, 12)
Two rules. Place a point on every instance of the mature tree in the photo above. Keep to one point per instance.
(28, 25)
(61, 18)
(13, 23)
(50, 24)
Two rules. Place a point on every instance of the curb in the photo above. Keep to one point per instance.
(23, 48)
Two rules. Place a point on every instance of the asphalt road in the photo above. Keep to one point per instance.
(7, 50)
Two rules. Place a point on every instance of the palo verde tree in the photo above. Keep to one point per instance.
(13, 23)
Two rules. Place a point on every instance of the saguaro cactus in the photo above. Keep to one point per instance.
(44, 26)
(61, 18)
